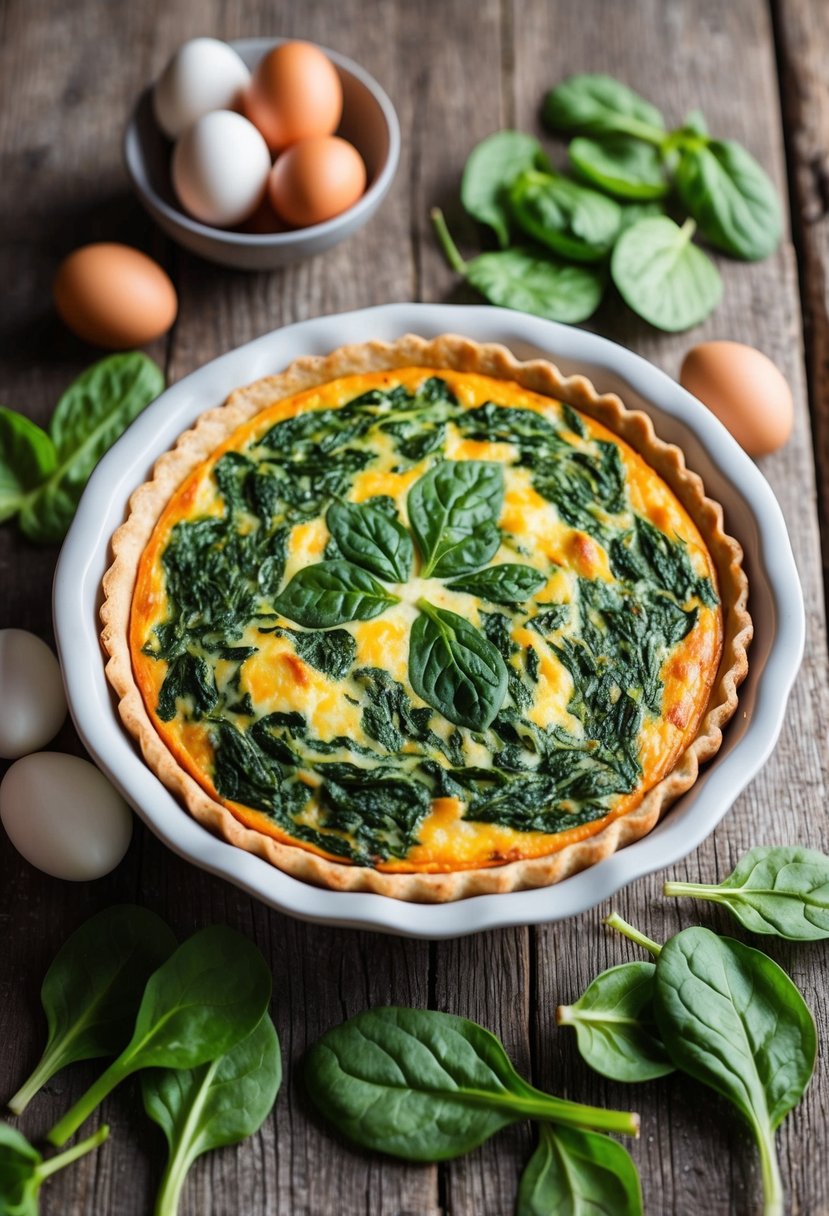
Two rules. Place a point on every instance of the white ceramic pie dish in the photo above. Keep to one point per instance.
(752, 515)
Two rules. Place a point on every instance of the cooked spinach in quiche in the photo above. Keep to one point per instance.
(423, 623)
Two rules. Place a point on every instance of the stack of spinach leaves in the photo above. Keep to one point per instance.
(628, 166)
(224, 579)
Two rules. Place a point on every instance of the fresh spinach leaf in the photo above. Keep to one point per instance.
(216, 1104)
(331, 651)
(428, 1086)
(509, 583)
(491, 168)
(576, 1171)
(522, 279)
(574, 222)
(730, 197)
(662, 276)
(621, 165)
(27, 457)
(92, 989)
(332, 593)
(615, 1025)
(781, 890)
(453, 512)
(632, 213)
(209, 994)
(595, 104)
(373, 539)
(93, 412)
(731, 1018)
(454, 668)
(23, 1170)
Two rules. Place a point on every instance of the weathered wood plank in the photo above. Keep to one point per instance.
(471, 976)
(693, 1157)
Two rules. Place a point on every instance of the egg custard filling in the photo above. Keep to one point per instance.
(423, 620)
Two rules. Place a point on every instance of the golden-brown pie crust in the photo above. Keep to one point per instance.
(460, 354)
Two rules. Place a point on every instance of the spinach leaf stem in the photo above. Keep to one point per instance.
(448, 246)
(46, 1168)
(615, 921)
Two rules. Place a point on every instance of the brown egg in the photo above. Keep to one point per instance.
(264, 220)
(315, 180)
(745, 390)
(295, 94)
(114, 296)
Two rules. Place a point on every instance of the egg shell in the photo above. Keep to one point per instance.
(64, 817)
(220, 169)
(32, 700)
(315, 180)
(745, 390)
(114, 296)
(295, 93)
(203, 75)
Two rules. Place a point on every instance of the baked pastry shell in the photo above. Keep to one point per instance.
(460, 354)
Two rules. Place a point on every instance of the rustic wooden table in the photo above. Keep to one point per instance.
(455, 71)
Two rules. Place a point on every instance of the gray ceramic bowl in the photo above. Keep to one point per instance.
(369, 122)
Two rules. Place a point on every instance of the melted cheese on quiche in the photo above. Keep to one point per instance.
(316, 735)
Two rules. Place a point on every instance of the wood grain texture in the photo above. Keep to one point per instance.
(454, 76)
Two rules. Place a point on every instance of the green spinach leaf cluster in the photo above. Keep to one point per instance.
(628, 166)
(192, 1019)
(714, 1008)
(43, 473)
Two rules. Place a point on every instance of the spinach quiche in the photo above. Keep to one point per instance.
(424, 620)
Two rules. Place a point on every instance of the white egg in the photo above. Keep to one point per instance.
(64, 817)
(32, 700)
(203, 75)
(220, 169)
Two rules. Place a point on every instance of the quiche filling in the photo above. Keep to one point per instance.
(425, 621)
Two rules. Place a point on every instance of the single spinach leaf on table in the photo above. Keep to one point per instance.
(371, 538)
(781, 890)
(621, 165)
(210, 993)
(454, 668)
(527, 280)
(731, 198)
(453, 512)
(591, 103)
(615, 1026)
(572, 220)
(23, 1170)
(332, 593)
(491, 168)
(429, 1086)
(577, 1171)
(730, 1017)
(662, 276)
(509, 583)
(92, 990)
(93, 412)
(219, 1103)
(27, 457)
